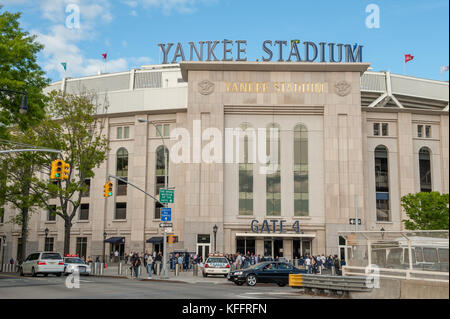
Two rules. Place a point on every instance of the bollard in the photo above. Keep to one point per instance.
(333, 271)
(176, 270)
(120, 269)
(10, 268)
(195, 269)
(139, 271)
(158, 269)
(101, 269)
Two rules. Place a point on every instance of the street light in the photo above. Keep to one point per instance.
(45, 242)
(215, 233)
(165, 270)
(23, 108)
(104, 239)
(3, 249)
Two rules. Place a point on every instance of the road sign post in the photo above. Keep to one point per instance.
(166, 214)
(166, 195)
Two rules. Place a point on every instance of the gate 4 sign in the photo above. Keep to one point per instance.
(166, 195)
(166, 214)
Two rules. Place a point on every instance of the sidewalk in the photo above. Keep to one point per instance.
(183, 277)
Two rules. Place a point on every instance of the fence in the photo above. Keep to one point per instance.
(411, 255)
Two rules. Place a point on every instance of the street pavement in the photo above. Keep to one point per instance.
(12, 286)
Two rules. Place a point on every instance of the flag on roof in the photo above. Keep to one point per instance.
(408, 57)
(104, 55)
(64, 65)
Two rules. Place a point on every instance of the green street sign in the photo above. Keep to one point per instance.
(166, 195)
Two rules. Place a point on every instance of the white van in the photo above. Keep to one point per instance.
(42, 263)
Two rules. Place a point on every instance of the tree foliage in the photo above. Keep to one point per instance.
(19, 71)
(426, 211)
(74, 128)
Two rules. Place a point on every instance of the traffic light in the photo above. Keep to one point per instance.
(65, 170)
(172, 239)
(108, 189)
(56, 170)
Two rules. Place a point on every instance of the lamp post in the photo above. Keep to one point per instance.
(382, 233)
(3, 249)
(46, 236)
(165, 270)
(104, 239)
(23, 108)
(215, 238)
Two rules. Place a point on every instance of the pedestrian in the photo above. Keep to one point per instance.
(238, 261)
(257, 258)
(126, 258)
(136, 264)
(11, 261)
(145, 260)
(158, 261)
(308, 264)
(149, 266)
(180, 263)
(337, 265)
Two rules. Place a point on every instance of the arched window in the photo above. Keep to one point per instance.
(122, 170)
(246, 176)
(425, 169)
(160, 175)
(273, 181)
(382, 183)
(301, 201)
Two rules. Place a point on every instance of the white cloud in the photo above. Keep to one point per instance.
(133, 13)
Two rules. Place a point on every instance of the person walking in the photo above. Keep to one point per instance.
(136, 265)
(238, 261)
(158, 261)
(337, 265)
(149, 266)
(308, 264)
(180, 263)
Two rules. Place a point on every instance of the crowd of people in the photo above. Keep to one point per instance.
(152, 262)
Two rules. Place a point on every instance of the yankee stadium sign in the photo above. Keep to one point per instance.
(280, 50)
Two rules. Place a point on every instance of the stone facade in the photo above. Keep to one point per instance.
(324, 97)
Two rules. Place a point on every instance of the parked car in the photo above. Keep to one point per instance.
(76, 264)
(265, 272)
(216, 265)
(42, 263)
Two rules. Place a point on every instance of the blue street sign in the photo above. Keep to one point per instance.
(166, 214)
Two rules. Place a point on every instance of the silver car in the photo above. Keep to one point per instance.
(42, 263)
(76, 264)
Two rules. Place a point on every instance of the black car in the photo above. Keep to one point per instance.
(265, 272)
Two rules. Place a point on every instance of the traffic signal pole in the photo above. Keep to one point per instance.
(165, 270)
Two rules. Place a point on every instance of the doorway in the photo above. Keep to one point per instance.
(120, 247)
(301, 248)
(203, 246)
(203, 250)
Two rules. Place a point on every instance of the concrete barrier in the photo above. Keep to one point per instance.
(391, 288)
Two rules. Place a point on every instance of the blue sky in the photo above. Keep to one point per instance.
(129, 30)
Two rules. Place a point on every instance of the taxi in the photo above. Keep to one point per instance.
(73, 263)
(216, 264)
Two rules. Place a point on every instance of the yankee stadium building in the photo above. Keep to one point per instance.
(349, 140)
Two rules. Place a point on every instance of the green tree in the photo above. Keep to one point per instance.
(16, 174)
(76, 130)
(426, 211)
(19, 71)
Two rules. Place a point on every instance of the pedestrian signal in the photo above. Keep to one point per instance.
(172, 239)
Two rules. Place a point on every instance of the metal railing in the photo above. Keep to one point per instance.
(336, 283)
